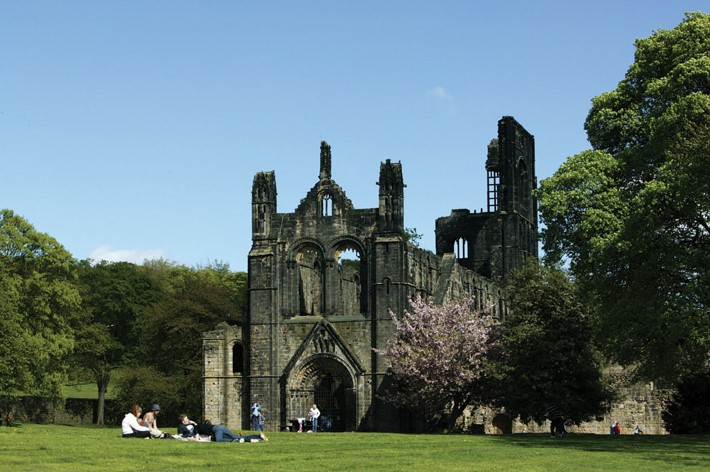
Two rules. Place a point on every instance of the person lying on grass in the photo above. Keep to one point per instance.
(206, 431)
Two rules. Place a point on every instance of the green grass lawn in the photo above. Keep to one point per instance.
(86, 390)
(78, 448)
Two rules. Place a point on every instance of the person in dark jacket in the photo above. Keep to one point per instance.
(557, 421)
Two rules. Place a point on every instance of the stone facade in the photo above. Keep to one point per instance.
(224, 379)
(323, 279)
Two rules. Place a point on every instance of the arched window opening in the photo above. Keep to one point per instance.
(237, 359)
(461, 248)
(326, 205)
(310, 283)
(350, 299)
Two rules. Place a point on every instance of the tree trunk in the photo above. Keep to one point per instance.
(456, 411)
(102, 384)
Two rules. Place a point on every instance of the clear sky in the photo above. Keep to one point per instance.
(133, 129)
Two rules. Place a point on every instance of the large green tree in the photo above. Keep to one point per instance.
(168, 364)
(115, 295)
(631, 216)
(39, 306)
(547, 351)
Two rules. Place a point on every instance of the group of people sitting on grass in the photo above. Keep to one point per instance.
(138, 425)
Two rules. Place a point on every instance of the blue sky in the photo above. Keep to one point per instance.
(133, 129)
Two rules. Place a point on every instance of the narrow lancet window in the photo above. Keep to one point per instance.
(461, 248)
(326, 205)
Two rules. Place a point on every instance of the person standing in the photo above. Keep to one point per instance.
(557, 421)
(314, 414)
(255, 414)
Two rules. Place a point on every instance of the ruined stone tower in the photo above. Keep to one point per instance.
(323, 279)
(497, 241)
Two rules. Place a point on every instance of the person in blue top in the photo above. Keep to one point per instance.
(255, 414)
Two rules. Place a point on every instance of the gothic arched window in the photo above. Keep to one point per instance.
(349, 290)
(310, 272)
(326, 205)
(461, 248)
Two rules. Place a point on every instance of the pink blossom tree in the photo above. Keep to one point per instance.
(437, 357)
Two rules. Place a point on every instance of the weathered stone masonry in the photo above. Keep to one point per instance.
(323, 279)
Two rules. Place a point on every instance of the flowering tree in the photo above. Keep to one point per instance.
(436, 358)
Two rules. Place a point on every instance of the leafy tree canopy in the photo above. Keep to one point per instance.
(631, 215)
(40, 305)
(547, 353)
(168, 335)
(115, 295)
(688, 409)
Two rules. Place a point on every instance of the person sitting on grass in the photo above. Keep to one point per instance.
(188, 429)
(616, 428)
(150, 419)
(130, 426)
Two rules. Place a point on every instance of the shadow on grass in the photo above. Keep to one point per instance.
(691, 450)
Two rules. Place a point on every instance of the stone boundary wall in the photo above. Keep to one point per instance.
(639, 405)
(75, 411)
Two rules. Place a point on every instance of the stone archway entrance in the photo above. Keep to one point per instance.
(325, 381)
(502, 424)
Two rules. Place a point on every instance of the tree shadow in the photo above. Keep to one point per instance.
(690, 450)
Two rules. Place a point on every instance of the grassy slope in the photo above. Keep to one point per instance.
(87, 390)
(79, 448)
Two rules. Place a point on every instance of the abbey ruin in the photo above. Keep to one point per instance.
(323, 279)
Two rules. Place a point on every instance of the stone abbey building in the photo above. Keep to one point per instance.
(323, 279)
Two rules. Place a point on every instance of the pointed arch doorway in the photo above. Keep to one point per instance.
(325, 381)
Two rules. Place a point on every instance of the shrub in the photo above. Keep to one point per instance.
(688, 410)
